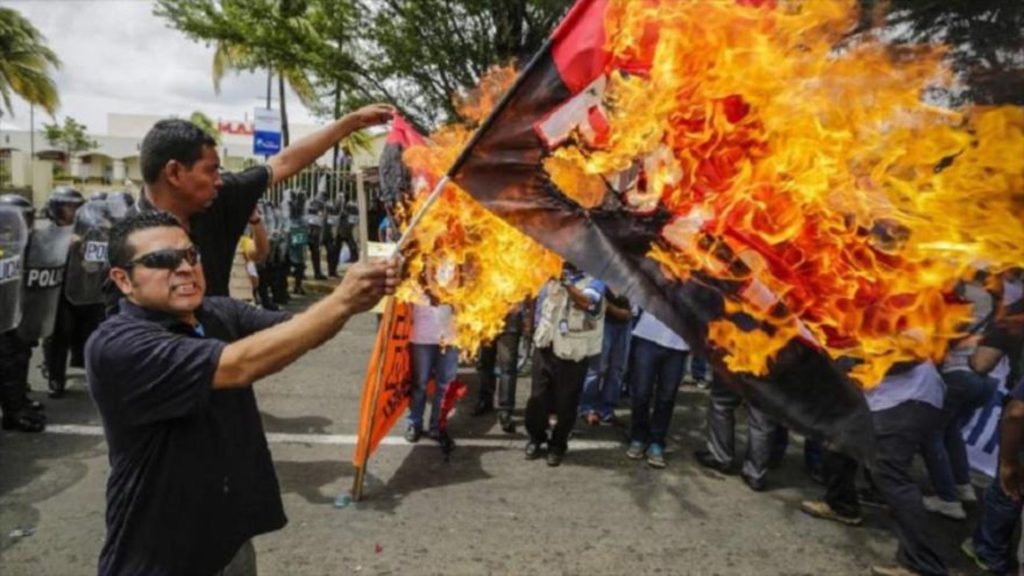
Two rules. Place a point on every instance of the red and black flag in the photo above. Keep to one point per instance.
(395, 178)
(502, 168)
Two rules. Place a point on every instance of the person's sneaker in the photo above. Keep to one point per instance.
(508, 425)
(533, 450)
(968, 549)
(412, 434)
(871, 498)
(821, 509)
(892, 570)
(756, 484)
(482, 407)
(656, 456)
(708, 460)
(966, 493)
(635, 450)
(611, 420)
(951, 510)
(555, 457)
(703, 384)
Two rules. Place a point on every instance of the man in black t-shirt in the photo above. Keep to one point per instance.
(191, 480)
(181, 168)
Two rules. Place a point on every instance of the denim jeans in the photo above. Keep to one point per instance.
(602, 386)
(657, 372)
(428, 360)
(993, 537)
(945, 453)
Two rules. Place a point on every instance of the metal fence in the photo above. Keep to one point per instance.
(336, 184)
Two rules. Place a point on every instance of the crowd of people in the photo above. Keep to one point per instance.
(591, 347)
(171, 368)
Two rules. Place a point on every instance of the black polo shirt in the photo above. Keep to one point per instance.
(191, 477)
(217, 230)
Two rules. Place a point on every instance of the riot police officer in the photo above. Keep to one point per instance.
(298, 237)
(42, 280)
(61, 209)
(315, 220)
(332, 227)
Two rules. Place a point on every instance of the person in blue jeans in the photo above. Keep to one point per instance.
(990, 546)
(658, 361)
(602, 386)
(431, 356)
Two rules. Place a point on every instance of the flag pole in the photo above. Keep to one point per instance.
(484, 127)
(364, 441)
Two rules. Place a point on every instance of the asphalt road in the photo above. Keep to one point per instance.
(487, 511)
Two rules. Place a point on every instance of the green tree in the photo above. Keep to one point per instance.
(71, 138)
(26, 63)
(422, 53)
(206, 123)
(249, 35)
(986, 40)
(415, 54)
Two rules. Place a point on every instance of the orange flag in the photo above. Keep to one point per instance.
(388, 380)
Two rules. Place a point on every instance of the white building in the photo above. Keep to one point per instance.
(29, 160)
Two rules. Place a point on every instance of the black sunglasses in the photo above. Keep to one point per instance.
(168, 259)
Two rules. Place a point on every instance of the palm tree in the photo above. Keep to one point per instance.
(26, 63)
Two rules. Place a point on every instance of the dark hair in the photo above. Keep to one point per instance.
(172, 139)
(119, 252)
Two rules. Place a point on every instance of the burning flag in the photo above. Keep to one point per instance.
(755, 185)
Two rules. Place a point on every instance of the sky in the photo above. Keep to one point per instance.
(118, 57)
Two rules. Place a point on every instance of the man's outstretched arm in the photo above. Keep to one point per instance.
(306, 150)
(268, 351)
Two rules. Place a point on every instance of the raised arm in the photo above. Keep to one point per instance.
(307, 149)
(268, 351)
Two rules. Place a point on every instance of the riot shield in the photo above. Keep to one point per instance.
(119, 204)
(87, 256)
(43, 280)
(13, 235)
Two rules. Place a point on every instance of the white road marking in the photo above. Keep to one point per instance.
(510, 442)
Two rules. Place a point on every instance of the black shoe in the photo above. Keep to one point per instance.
(412, 434)
(871, 498)
(707, 460)
(555, 457)
(533, 450)
(482, 407)
(24, 421)
(508, 426)
(755, 484)
(57, 388)
(34, 405)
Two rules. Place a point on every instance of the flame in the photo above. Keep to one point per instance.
(809, 169)
(462, 254)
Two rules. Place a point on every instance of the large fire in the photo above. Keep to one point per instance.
(807, 167)
(810, 171)
(462, 254)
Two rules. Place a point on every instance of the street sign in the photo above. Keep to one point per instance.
(266, 137)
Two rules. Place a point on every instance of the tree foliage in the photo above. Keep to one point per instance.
(986, 38)
(206, 124)
(26, 63)
(70, 137)
(415, 54)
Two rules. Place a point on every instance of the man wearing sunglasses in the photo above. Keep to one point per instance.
(183, 176)
(171, 372)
